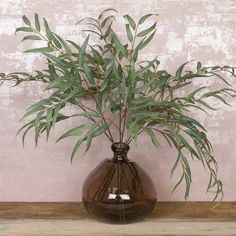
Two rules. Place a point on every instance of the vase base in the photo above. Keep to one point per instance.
(121, 213)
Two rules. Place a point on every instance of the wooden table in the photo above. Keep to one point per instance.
(70, 219)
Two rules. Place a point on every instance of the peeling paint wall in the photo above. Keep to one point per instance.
(187, 29)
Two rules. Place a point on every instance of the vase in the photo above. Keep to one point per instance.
(118, 190)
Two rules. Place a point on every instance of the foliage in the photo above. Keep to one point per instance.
(128, 95)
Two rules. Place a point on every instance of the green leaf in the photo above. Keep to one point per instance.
(32, 110)
(83, 51)
(31, 37)
(199, 65)
(104, 84)
(145, 114)
(25, 132)
(50, 34)
(223, 79)
(119, 45)
(24, 29)
(76, 147)
(97, 56)
(88, 72)
(77, 131)
(36, 22)
(191, 76)
(47, 29)
(106, 20)
(64, 44)
(90, 136)
(178, 183)
(43, 49)
(116, 71)
(109, 30)
(192, 94)
(123, 88)
(145, 41)
(132, 76)
(143, 18)
(196, 136)
(100, 130)
(49, 121)
(175, 165)
(74, 44)
(221, 99)
(92, 113)
(150, 133)
(146, 31)
(2, 75)
(106, 10)
(26, 20)
(93, 32)
(129, 34)
(205, 104)
(57, 60)
(52, 72)
(55, 114)
(180, 70)
(131, 21)
(37, 127)
(113, 106)
(93, 132)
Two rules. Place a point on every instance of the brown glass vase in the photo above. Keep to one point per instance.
(118, 190)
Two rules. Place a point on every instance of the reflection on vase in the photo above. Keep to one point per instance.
(118, 190)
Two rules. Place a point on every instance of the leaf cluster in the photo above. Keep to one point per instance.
(130, 97)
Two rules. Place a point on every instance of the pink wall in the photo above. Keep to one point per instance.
(187, 29)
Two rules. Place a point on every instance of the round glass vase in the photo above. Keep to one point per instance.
(118, 190)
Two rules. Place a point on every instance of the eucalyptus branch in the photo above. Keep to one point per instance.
(50, 44)
(91, 118)
(101, 113)
(142, 100)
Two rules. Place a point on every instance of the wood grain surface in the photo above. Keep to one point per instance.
(69, 210)
(70, 219)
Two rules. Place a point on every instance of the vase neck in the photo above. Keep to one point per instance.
(120, 151)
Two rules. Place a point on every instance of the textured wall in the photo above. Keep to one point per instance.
(187, 29)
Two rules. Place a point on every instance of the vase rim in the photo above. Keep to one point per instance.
(120, 147)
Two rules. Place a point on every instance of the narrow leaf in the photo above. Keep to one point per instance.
(31, 37)
(26, 20)
(36, 21)
(88, 72)
(150, 133)
(43, 49)
(180, 70)
(106, 10)
(131, 21)
(119, 45)
(49, 121)
(144, 18)
(64, 44)
(146, 31)
(77, 131)
(24, 29)
(145, 41)
(83, 51)
(129, 34)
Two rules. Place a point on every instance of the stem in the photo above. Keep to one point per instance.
(117, 61)
(120, 133)
(23, 80)
(45, 39)
(91, 118)
(100, 111)
(128, 90)
(81, 106)
(123, 131)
